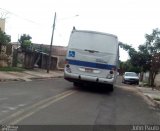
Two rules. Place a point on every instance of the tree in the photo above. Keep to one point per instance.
(133, 64)
(137, 60)
(152, 45)
(4, 38)
(5, 48)
(153, 41)
(26, 46)
(155, 67)
(25, 41)
(144, 58)
(127, 66)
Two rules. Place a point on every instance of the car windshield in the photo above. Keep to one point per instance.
(130, 74)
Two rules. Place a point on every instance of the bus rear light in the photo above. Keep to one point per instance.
(66, 62)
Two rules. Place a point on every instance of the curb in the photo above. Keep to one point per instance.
(155, 103)
(36, 78)
(5, 80)
(27, 79)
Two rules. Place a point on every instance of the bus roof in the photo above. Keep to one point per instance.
(94, 32)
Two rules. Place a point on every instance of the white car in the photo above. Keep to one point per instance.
(130, 77)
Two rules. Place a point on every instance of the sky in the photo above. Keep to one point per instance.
(130, 20)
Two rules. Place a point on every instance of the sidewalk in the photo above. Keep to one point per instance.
(152, 95)
(28, 75)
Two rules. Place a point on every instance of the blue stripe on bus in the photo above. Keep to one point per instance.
(91, 64)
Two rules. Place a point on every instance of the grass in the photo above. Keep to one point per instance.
(144, 84)
(145, 81)
(17, 69)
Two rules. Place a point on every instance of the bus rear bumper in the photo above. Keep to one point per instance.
(82, 78)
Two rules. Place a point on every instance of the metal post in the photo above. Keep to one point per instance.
(50, 51)
(42, 56)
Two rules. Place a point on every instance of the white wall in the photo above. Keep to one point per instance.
(2, 24)
(157, 80)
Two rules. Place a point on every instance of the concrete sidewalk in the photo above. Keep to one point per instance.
(28, 75)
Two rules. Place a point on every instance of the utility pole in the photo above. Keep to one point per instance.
(50, 51)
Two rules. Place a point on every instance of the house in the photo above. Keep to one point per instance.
(58, 52)
(39, 56)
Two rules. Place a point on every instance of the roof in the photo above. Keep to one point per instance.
(96, 32)
(56, 50)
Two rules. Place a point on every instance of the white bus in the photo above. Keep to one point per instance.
(92, 57)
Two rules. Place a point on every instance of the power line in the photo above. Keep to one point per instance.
(26, 19)
(33, 22)
(3, 14)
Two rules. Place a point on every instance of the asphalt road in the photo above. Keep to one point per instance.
(57, 102)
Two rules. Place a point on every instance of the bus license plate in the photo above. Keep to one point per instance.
(89, 70)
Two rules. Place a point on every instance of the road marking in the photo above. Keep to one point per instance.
(16, 114)
(12, 108)
(24, 113)
(21, 105)
(4, 111)
(39, 108)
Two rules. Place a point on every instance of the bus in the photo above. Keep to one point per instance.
(92, 57)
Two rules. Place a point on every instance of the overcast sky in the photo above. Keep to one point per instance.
(128, 19)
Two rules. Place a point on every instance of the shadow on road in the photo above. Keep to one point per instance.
(93, 88)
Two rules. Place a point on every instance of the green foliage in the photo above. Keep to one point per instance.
(126, 47)
(153, 47)
(129, 48)
(157, 99)
(153, 41)
(127, 66)
(4, 38)
(134, 64)
(142, 59)
(9, 49)
(25, 41)
(46, 50)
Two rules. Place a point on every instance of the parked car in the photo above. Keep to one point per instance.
(130, 77)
